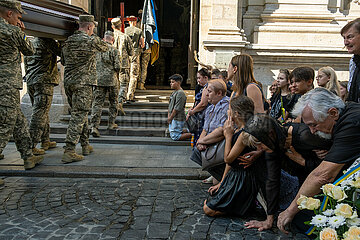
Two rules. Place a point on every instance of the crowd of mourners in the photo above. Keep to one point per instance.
(271, 151)
(275, 149)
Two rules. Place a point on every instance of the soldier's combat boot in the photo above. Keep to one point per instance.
(70, 156)
(95, 132)
(112, 126)
(121, 110)
(141, 86)
(30, 162)
(87, 149)
(37, 151)
(48, 145)
(2, 156)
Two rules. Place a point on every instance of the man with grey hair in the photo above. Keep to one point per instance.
(325, 112)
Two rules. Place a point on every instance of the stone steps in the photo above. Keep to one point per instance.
(58, 128)
(145, 121)
(133, 140)
(139, 112)
(130, 121)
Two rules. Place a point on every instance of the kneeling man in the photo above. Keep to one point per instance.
(327, 116)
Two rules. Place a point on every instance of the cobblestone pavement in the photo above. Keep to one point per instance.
(59, 208)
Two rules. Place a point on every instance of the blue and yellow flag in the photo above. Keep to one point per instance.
(149, 26)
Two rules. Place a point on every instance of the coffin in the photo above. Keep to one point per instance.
(49, 18)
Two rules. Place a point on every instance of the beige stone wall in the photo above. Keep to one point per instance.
(84, 4)
(276, 33)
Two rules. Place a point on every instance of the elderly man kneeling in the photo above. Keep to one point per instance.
(329, 117)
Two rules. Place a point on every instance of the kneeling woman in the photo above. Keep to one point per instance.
(236, 192)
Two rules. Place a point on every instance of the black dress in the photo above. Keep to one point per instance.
(278, 102)
(238, 191)
(305, 143)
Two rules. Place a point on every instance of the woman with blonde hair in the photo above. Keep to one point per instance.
(327, 78)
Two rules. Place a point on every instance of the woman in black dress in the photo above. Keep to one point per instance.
(236, 192)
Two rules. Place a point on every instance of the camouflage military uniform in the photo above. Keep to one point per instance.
(107, 69)
(79, 59)
(13, 42)
(135, 35)
(41, 77)
(144, 62)
(122, 42)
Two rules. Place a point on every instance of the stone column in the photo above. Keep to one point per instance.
(252, 17)
(304, 23)
(221, 33)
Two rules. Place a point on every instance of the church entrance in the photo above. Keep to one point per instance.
(173, 19)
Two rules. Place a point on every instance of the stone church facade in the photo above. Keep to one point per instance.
(276, 33)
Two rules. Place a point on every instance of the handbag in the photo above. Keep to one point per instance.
(213, 155)
(193, 123)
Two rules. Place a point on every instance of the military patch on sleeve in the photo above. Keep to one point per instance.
(25, 37)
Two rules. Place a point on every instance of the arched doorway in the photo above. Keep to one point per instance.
(173, 18)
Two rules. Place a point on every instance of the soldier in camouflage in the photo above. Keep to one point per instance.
(79, 58)
(107, 70)
(41, 77)
(138, 43)
(13, 42)
(144, 58)
(123, 43)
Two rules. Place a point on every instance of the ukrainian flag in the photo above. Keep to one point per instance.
(150, 29)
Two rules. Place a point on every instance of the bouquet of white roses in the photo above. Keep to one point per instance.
(337, 216)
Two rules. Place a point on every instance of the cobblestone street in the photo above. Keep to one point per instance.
(58, 208)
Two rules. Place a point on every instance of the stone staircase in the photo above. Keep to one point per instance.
(145, 121)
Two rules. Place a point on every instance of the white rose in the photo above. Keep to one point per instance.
(344, 210)
(327, 188)
(338, 194)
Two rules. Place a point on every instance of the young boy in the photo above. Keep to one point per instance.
(176, 111)
(301, 81)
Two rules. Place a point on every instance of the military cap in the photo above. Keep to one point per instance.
(109, 33)
(132, 18)
(12, 4)
(87, 18)
(116, 22)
